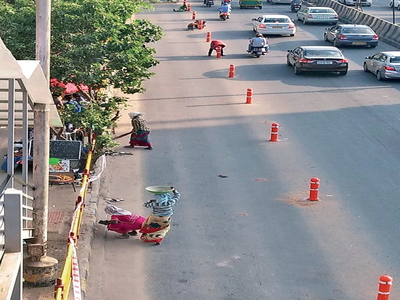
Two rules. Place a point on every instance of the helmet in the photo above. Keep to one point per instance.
(259, 35)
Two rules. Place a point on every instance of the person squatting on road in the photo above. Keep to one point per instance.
(140, 131)
(180, 9)
(214, 44)
(158, 222)
(195, 24)
(259, 41)
(122, 221)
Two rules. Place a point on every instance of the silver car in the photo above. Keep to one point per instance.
(274, 25)
(385, 65)
(317, 15)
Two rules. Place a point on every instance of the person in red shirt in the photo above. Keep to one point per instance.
(214, 45)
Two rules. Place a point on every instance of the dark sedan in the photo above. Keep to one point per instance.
(351, 35)
(317, 58)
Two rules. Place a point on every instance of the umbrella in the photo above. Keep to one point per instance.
(69, 88)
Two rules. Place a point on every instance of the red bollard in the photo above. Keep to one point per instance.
(385, 284)
(208, 37)
(249, 98)
(274, 132)
(184, 2)
(194, 15)
(200, 25)
(314, 189)
(218, 49)
(231, 71)
(189, 7)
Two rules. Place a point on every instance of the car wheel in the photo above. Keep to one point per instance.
(379, 76)
(292, 34)
(298, 18)
(260, 7)
(241, 6)
(325, 38)
(343, 72)
(373, 46)
(365, 67)
(296, 70)
(288, 62)
(304, 21)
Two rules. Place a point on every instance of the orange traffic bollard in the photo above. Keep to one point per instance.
(274, 132)
(231, 71)
(208, 37)
(193, 15)
(200, 25)
(385, 284)
(218, 49)
(249, 98)
(189, 7)
(184, 2)
(314, 189)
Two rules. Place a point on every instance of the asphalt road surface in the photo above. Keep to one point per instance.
(254, 234)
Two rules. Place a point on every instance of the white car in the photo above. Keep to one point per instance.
(313, 14)
(396, 4)
(274, 25)
(354, 2)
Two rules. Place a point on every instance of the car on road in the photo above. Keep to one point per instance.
(396, 4)
(274, 25)
(309, 14)
(351, 35)
(354, 2)
(318, 59)
(385, 65)
(280, 1)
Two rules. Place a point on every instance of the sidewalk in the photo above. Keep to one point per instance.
(62, 200)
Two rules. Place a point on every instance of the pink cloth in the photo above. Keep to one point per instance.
(127, 223)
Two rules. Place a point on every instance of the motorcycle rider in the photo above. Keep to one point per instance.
(225, 8)
(295, 2)
(259, 41)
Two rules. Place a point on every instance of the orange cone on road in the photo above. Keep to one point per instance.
(249, 99)
(385, 285)
(314, 189)
(274, 132)
(231, 71)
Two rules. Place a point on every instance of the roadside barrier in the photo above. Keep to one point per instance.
(384, 287)
(231, 71)
(208, 37)
(70, 271)
(193, 15)
(274, 132)
(189, 7)
(314, 189)
(201, 24)
(249, 98)
(184, 2)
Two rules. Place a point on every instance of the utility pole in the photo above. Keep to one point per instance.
(38, 267)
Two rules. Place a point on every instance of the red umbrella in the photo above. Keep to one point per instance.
(69, 88)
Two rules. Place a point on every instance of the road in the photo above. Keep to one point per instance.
(253, 234)
(381, 9)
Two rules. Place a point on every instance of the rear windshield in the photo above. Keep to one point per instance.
(321, 11)
(322, 53)
(360, 30)
(395, 59)
(276, 20)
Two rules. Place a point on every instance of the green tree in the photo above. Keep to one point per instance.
(94, 42)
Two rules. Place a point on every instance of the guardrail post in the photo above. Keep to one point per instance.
(13, 233)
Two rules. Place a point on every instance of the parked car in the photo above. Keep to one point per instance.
(317, 58)
(351, 35)
(354, 2)
(310, 14)
(385, 65)
(396, 4)
(274, 25)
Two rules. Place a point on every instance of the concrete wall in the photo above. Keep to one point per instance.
(388, 32)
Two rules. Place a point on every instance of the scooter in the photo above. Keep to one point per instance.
(258, 51)
(224, 16)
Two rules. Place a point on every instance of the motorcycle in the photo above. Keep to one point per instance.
(295, 7)
(223, 16)
(209, 3)
(258, 51)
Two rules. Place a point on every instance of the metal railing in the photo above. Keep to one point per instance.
(64, 282)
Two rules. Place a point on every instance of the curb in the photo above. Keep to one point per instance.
(87, 231)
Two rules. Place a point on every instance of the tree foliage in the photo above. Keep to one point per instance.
(94, 42)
